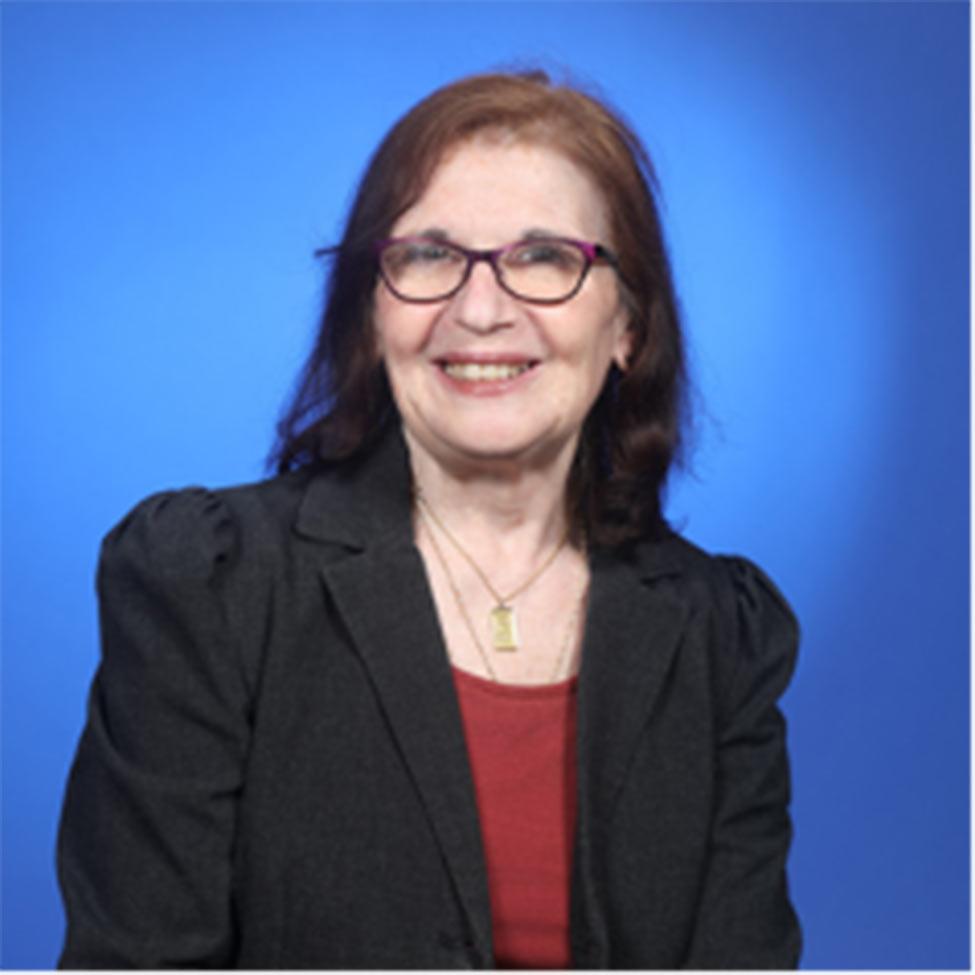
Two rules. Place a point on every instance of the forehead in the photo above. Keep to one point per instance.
(490, 190)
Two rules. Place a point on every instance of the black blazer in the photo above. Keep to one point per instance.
(273, 772)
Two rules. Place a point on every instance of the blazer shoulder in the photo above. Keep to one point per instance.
(195, 533)
(761, 629)
(204, 561)
(721, 578)
(751, 623)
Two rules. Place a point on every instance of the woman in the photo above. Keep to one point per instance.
(448, 692)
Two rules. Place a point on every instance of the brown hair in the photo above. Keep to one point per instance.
(633, 434)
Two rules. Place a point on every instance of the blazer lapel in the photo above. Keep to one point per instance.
(378, 585)
(386, 605)
(633, 630)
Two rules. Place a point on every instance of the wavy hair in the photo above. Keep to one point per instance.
(633, 435)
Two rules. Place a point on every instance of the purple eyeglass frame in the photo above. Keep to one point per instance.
(593, 253)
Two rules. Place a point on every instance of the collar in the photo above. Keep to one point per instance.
(358, 502)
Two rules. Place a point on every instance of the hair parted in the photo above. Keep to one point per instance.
(634, 432)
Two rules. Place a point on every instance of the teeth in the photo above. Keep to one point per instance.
(475, 372)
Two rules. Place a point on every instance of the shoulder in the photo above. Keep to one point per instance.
(195, 532)
(740, 614)
(187, 580)
(256, 527)
(719, 579)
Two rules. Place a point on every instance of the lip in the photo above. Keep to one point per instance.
(485, 357)
(486, 387)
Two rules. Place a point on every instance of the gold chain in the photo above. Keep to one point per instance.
(570, 630)
(502, 618)
(459, 600)
(498, 598)
(472, 630)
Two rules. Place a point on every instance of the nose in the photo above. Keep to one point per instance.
(482, 305)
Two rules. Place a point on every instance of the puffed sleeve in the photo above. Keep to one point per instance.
(147, 828)
(746, 920)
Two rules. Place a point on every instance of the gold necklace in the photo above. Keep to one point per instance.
(502, 619)
(472, 630)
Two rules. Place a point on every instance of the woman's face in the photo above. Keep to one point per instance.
(485, 194)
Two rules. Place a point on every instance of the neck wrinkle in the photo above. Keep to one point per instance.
(518, 509)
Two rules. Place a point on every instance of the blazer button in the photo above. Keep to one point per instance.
(461, 949)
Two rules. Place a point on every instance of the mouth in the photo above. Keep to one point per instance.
(486, 372)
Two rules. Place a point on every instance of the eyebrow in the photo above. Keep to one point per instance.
(434, 233)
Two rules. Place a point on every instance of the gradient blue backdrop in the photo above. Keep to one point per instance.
(167, 171)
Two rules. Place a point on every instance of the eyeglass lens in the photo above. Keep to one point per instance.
(540, 270)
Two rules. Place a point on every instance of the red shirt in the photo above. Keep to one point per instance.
(521, 743)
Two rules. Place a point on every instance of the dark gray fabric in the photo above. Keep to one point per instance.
(273, 772)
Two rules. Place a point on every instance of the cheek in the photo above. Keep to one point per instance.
(388, 328)
(401, 331)
(602, 324)
(599, 343)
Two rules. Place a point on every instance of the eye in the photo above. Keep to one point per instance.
(420, 253)
(544, 253)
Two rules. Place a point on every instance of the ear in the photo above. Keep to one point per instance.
(623, 343)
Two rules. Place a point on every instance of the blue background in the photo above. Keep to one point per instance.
(167, 171)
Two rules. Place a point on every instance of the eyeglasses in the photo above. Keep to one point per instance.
(541, 270)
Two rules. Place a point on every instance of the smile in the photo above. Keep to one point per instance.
(480, 372)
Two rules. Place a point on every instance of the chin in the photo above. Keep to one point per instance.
(491, 440)
(527, 451)
(483, 443)
(498, 452)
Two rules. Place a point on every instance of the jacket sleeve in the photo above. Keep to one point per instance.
(745, 919)
(147, 828)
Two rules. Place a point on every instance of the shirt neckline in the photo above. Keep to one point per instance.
(559, 689)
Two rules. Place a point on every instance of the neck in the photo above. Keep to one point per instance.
(503, 509)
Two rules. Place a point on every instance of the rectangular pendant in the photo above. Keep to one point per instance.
(504, 628)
